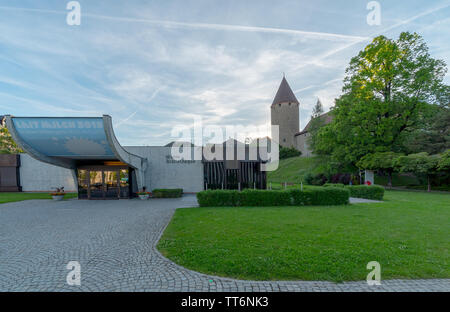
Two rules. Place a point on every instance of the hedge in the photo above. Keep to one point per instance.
(362, 191)
(365, 191)
(321, 196)
(218, 198)
(252, 198)
(167, 193)
(334, 184)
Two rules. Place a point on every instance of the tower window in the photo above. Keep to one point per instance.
(284, 140)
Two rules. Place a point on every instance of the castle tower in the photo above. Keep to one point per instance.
(284, 112)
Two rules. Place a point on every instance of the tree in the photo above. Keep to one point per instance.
(380, 161)
(434, 134)
(420, 163)
(317, 110)
(7, 144)
(386, 92)
(444, 161)
(287, 152)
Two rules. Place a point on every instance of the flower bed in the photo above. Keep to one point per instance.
(167, 193)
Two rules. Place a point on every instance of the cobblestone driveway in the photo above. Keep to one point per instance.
(114, 241)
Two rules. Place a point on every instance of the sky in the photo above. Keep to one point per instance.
(155, 65)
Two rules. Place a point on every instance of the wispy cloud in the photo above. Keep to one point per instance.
(209, 26)
(158, 66)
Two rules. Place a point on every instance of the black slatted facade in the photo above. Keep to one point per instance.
(248, 175)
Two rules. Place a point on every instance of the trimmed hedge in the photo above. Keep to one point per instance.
(218, 198)
(167, 193)
(295, 197)
(253, 198)
(321, 196)
(365, 191)
(334, 184)
(362, 191)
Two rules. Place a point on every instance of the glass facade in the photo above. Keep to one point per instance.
(103, 183)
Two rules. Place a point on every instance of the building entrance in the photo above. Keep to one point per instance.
(104, 183)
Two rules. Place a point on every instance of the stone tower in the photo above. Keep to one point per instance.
(284, 112)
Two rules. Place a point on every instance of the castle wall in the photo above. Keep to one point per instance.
(302, 144)
(286, 116)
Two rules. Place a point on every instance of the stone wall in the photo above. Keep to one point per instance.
(286, 116)
(302, 144)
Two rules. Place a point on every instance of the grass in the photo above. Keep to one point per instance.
(14, 197)
(294, 169)
(408, 235)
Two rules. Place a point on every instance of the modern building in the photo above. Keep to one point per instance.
(82, 154)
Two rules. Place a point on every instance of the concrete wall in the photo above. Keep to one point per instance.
(286, 116)
(37, 176)
(164, 173)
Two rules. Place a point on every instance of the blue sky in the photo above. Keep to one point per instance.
(153, 65)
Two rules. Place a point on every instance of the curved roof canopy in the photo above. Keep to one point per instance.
(63, 141)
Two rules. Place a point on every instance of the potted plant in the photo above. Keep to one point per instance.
(144, 195)
(59, 194)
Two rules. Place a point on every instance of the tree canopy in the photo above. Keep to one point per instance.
(7, 144)
(387, 92)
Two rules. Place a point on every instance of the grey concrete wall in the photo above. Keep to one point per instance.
(286, 116)
(37, 176)
(162, 173)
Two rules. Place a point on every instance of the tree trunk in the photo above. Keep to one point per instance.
(390, 179)
(429, 183)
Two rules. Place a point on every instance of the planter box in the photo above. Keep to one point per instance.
(58, 197)
(144, 197)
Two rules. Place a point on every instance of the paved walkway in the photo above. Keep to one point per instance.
(114, 242)
(354, 200)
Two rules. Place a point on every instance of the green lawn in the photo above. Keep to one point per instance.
(408, 234)
(294, 169)
(13, 197)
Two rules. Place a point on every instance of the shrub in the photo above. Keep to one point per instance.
(342, 178)
(302, 198)
(167, 193)
(315, 179)
(364, 191)
(287, 152)
(218, 198)
(321, 196)
(334, 184)
(250, 197)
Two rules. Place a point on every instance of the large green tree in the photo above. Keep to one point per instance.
(433, 135)
(387, 90)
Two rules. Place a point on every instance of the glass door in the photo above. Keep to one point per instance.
(124, 183)
(96, 184)
(111, 184)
